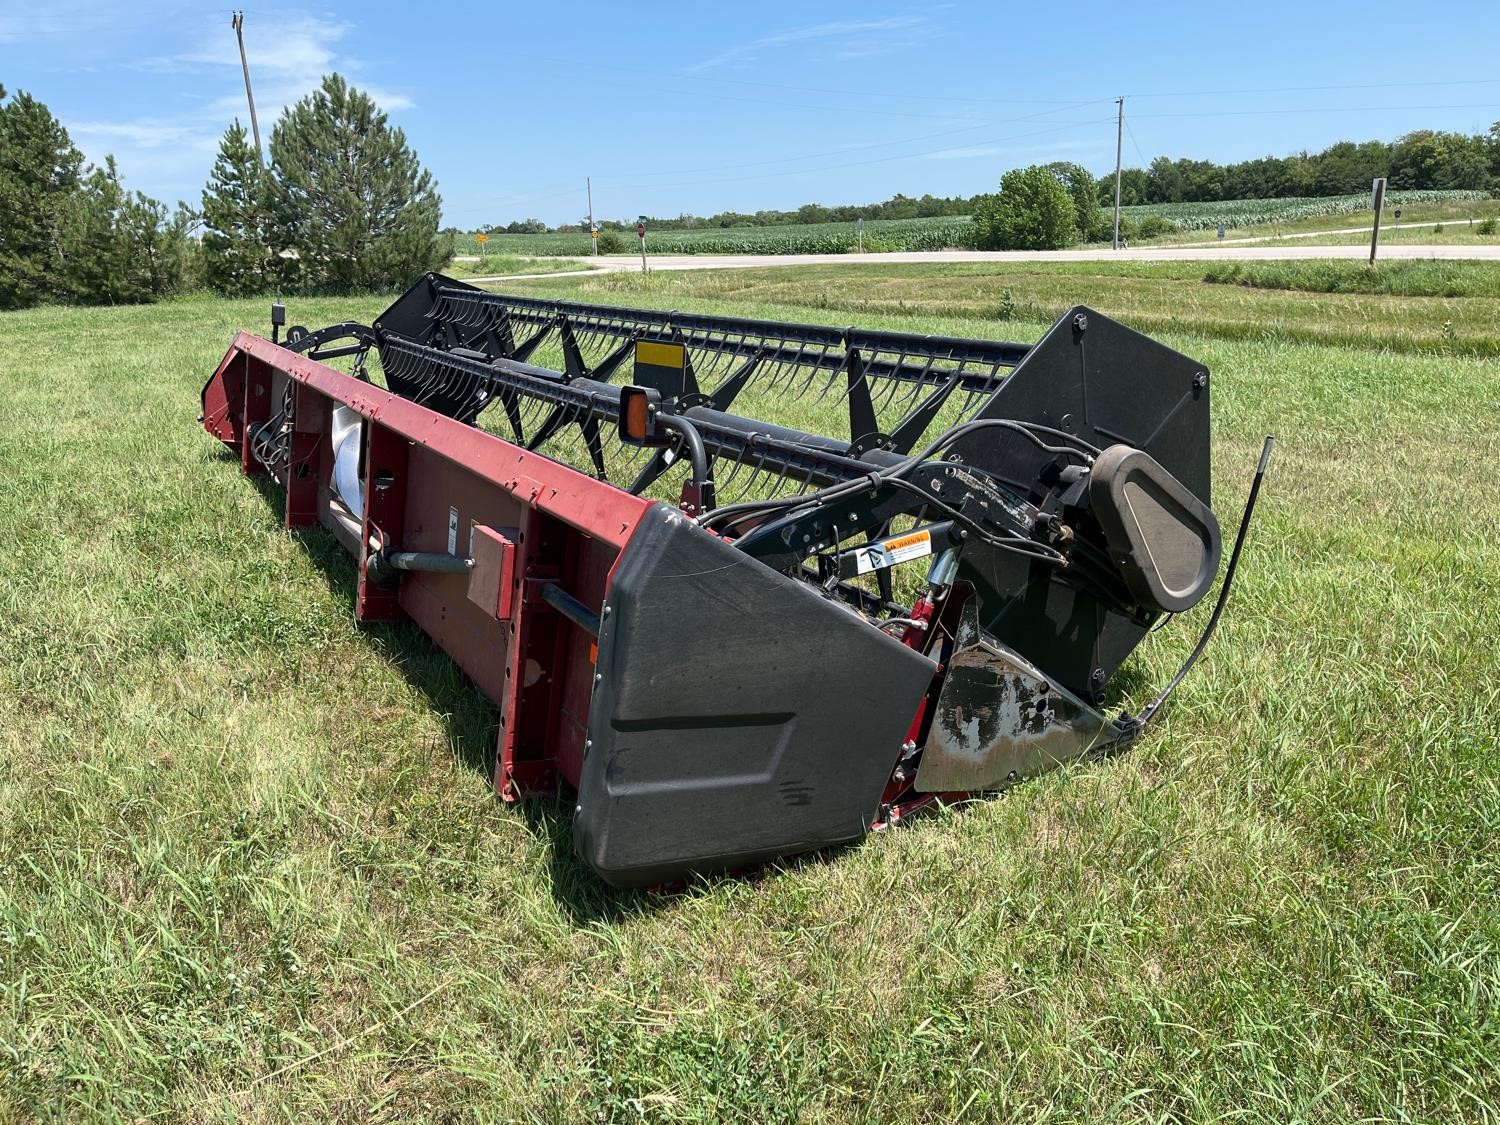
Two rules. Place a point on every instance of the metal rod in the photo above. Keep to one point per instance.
(429, 562)
(697, 455)
(571, 608)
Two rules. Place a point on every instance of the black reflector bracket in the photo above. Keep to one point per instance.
(1165, 541)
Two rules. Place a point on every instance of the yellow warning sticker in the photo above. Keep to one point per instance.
(889, 552)
(661, 355)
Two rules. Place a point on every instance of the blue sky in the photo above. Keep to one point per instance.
(699, 108)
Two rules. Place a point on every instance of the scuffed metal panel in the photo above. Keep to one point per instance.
(998, 719)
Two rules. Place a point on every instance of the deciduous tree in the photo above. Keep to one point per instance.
(1032, 211)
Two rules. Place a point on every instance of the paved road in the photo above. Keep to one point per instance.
(626, 264)
(1364, 230)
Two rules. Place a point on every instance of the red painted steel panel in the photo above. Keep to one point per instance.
(425, 474)
(440, 603)
(592, 506)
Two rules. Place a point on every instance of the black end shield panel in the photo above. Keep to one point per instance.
(739, 715)
(1090, 376)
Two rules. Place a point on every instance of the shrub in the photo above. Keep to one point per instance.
(1489, 227)
(611, 242)
(1032, 211)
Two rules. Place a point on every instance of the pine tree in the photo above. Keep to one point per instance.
(349, 197)
(121, 247)
(40, 173)
(236, 255)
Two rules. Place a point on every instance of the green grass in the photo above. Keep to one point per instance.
(1450, 231)
(508, 265)
(1397, 278)
(1157, 297)
(254, 870)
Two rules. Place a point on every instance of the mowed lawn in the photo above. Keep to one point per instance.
(253, 869)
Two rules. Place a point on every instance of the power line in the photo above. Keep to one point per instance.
(817, 155)
(1320, 109)
(872, 144)
(1136, 144)
(1312, 89)
(1055, 127)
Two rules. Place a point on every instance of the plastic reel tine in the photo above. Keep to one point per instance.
(888, 393)
(759, 471)
(532, 409)
(774, 376)
(927, 382)
(831, 376)
(722, 487)
(627, 457)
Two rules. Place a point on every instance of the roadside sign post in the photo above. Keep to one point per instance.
(1377, 201)
(588, 182)
(859, 227)
(481, 238)
(640, 232)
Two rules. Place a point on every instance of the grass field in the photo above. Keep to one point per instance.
(1167, 297)
(254, 870)
(1410, 277)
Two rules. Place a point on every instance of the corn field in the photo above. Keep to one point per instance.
(940, 233)
(1255, 212)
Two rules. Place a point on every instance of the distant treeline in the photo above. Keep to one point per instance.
(1423, 160)
(897, 207)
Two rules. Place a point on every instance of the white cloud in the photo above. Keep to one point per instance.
(169, 151)
(865, 38)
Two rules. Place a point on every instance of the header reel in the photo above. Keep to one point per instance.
(815, 634)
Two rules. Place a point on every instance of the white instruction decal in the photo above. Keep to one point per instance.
(452, 531)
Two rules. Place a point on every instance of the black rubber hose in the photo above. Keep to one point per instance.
(1213, 621)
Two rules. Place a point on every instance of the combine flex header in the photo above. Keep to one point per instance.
(735, 638)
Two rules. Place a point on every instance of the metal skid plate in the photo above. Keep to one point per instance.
(999, 720)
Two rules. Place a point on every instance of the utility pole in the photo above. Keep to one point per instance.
(1119, 139)
(593, 230)
(1377, 201)
(237, 21)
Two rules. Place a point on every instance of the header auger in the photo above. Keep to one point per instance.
(735, 638)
